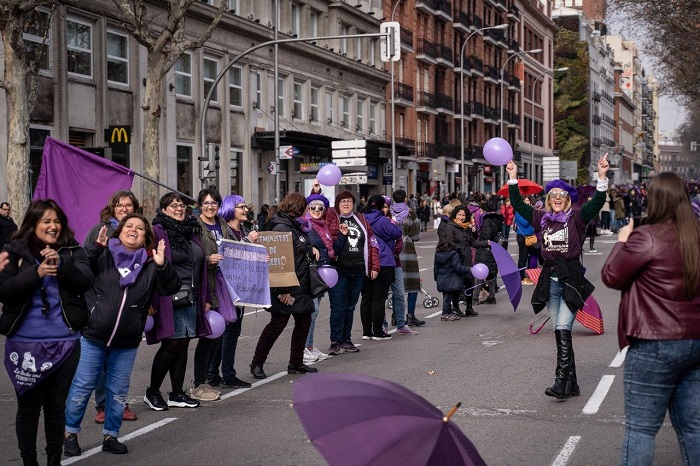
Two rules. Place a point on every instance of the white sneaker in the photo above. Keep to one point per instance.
(309, 356)
(592, 250)
(321, 356)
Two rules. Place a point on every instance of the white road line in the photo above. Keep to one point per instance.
(566, 451)
(599, 394)
(422, 270)
(238, 391)
(434, 314)
(141, 431)
(620, 358)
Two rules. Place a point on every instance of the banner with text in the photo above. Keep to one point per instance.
(281, 251)
(245, 269)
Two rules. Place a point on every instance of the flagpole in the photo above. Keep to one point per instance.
(162, 185)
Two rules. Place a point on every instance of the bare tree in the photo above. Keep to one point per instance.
(165, 44)
(20, 83)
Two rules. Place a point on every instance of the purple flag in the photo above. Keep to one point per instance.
(80, 182)
(510, 274)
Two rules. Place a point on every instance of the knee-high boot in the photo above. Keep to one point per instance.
(558, 390)
(470, 312)
(571, 382)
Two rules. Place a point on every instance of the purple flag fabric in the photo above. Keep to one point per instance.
(80, 182)
(28, 363)
(510, 274)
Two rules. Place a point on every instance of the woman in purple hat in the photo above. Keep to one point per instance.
(562, 287)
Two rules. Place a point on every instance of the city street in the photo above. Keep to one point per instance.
(490, 363)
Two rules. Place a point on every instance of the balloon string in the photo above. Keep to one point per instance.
(488, 281)
(452, 411)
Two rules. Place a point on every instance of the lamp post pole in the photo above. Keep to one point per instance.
(461, 106)
(393, 117)
(532, 120)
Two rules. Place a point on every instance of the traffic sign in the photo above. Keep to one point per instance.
(349, 153)
(349, 144)
(359, 162)
(390, 47)
(353, 179)
(288, 152)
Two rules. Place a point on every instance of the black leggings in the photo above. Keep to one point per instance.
(171, 357)
(49, 394)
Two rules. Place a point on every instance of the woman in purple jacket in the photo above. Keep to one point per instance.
(375, 291)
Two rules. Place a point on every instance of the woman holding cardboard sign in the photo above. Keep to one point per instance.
(291, 300)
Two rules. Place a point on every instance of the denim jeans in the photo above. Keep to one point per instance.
(411, 302)
(661, 375)
(224, 353)
(343, 299)
(559, 312)
(117, 364)
(310, 337)
(447, 302)
(398, 299)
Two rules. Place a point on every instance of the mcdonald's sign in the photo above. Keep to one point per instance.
(118, 135)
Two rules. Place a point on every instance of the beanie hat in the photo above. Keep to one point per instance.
(343, 195)
(564, 186)
(318, 197)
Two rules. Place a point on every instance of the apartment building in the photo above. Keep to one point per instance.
(92, 81)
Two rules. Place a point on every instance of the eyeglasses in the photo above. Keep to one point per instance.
(345, 201)
(177, 206)
(210, 204)
(123, 206)
(242, 207)
(317, 208)
(558, 194)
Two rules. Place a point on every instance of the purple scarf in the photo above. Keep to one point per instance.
(561, 217)
(27, 363)
(129, 263)
(319, 226)
(399, 211)
(305, 227)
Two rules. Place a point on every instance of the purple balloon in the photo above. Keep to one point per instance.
(480, 271)
(497, 151)
(329, 275)
(149, 323)
(329, 175)
(216, 323)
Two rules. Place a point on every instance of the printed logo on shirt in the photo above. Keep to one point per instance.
(555, 241)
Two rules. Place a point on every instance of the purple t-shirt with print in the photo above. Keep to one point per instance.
(560, 238)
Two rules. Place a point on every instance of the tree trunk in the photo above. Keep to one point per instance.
(15, 84)
(152, 108)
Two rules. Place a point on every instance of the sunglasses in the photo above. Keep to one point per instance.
(317, 208)
(558, 194)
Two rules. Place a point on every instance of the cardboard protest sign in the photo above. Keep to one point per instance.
(281, 251)
(245, 269)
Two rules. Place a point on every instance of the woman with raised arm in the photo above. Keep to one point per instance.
(562, 286)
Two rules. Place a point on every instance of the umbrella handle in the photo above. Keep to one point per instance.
(538, 328)
(452, 411)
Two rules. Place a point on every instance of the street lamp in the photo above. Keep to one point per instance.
(532, 118)
(503, 69)
(461, 86)
(393, 116)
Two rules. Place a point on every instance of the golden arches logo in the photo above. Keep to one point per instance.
(119, 132)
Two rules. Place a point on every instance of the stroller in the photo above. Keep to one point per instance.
(428, 302)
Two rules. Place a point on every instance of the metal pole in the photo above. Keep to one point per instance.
(393, 116)
(276, 155)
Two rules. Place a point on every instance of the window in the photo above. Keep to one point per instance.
(236, 160)
(373, 118)
(257, 89)
(372, 52)
(297, 111)
(313, 24)
(345, 111)
(37, 38)
(315, 94)
(280, 96)
(360, 120)
(329, 106)
(209, 72)
(37, 136)
(184, 169)
(295, 19)
(79, 45)
(234, 6)
(117, 57)
(343, 46)
(183, 75)
(358, 48)
(235, 86)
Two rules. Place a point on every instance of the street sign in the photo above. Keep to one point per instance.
(288, 152)
(353, 179)
(272, 168)
(359, 162)
(550, 168)
(349, 153)
(390, 47)
(349, 144)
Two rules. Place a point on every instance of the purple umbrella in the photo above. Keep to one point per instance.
(510, 274)
(360, 420)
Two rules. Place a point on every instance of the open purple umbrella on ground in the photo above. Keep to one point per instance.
(509, 272)
(360, 420)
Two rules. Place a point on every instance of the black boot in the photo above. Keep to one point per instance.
(558, 390)
(571, 383)
(257, 371)
(30, 460)
(412, 321)
(458, 311)
(470, 312)
(53, 459)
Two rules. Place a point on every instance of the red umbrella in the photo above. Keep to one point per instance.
(526, 187)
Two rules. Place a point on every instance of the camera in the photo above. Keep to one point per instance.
(639, 221)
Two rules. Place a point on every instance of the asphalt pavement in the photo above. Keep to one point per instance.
(492, 364)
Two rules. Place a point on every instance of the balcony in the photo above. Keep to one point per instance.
(467, 66)
(467, 111)
(446, 150)
(514, 13)
(445, 104)
(514, 84)
(492, 115)
(476, 24)
(513, 46)
(403, 94)
(596, 119)
(477, 65)
(493, 3)
(426, 150)
(406, 40)
(477, 110)
(407, 142)
(426, 103)
(596, 142)
(426, 52)
(501, 5)
(444, 55)
(426, 6)
(491, 74)
(444, 10)
(596, 96)
(491, 36)
(461, 22)
(514, 120)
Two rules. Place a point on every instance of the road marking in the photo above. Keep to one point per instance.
(422, 270)
(599, 394)
(269, 379)
(566, 451)
(137, 433)
(620, 358)
(434, 314)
